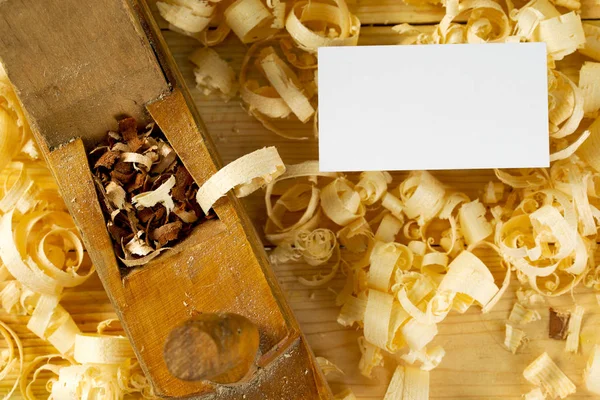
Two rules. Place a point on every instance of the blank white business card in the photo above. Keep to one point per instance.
(464, 106)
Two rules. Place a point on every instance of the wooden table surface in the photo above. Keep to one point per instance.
(476, 365)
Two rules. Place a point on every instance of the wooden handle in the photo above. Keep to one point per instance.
(216, 347)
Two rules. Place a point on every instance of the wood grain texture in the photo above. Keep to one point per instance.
(476, 366)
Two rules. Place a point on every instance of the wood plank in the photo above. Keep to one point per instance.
(476, 365)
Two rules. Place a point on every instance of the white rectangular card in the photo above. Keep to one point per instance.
(462, 106)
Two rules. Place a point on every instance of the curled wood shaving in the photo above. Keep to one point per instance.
(11, 361)
(520, 315)
(137, 159)
(566, 105)
(438, 305)
(588, 151)
(137, 246)
(16, 134)
(191, 16)
(44, 251)
(475, 226)
(287, 84)
(487, 21)
(526, 178)
(388, 228)
(329, 369)
(105, 368)
(535, 394)
(250, 20)
(468, 275)
(112, 380)
(569, 149)
(159, 195)
(23, 194)
(417, 335)
(429, 358)
(298, 197)
(563, 34)
(116, 195)
(352, 311)
(513, 338)
(295, 199)
(371, 357)
(589, 83)
(138, 262)
(104, 325)
(244, 176)
(422, 196)
(372, 186)
(52, 363)
(529, 297)
(573, 330)
(51, 322)
(574, 5)
(345, 26)
(592, 371)
(316, 247)
(280, 93)
(408, 383)
(591, 47)
(377, 318)
(341, 203)
(17, 299)
(528, 18)
(525, 238)
(386, 258)
(279, 10)
(102, 349)
(494, 192)
(213, 73)
(545, 373)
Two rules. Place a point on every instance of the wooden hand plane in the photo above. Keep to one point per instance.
(211, 304)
